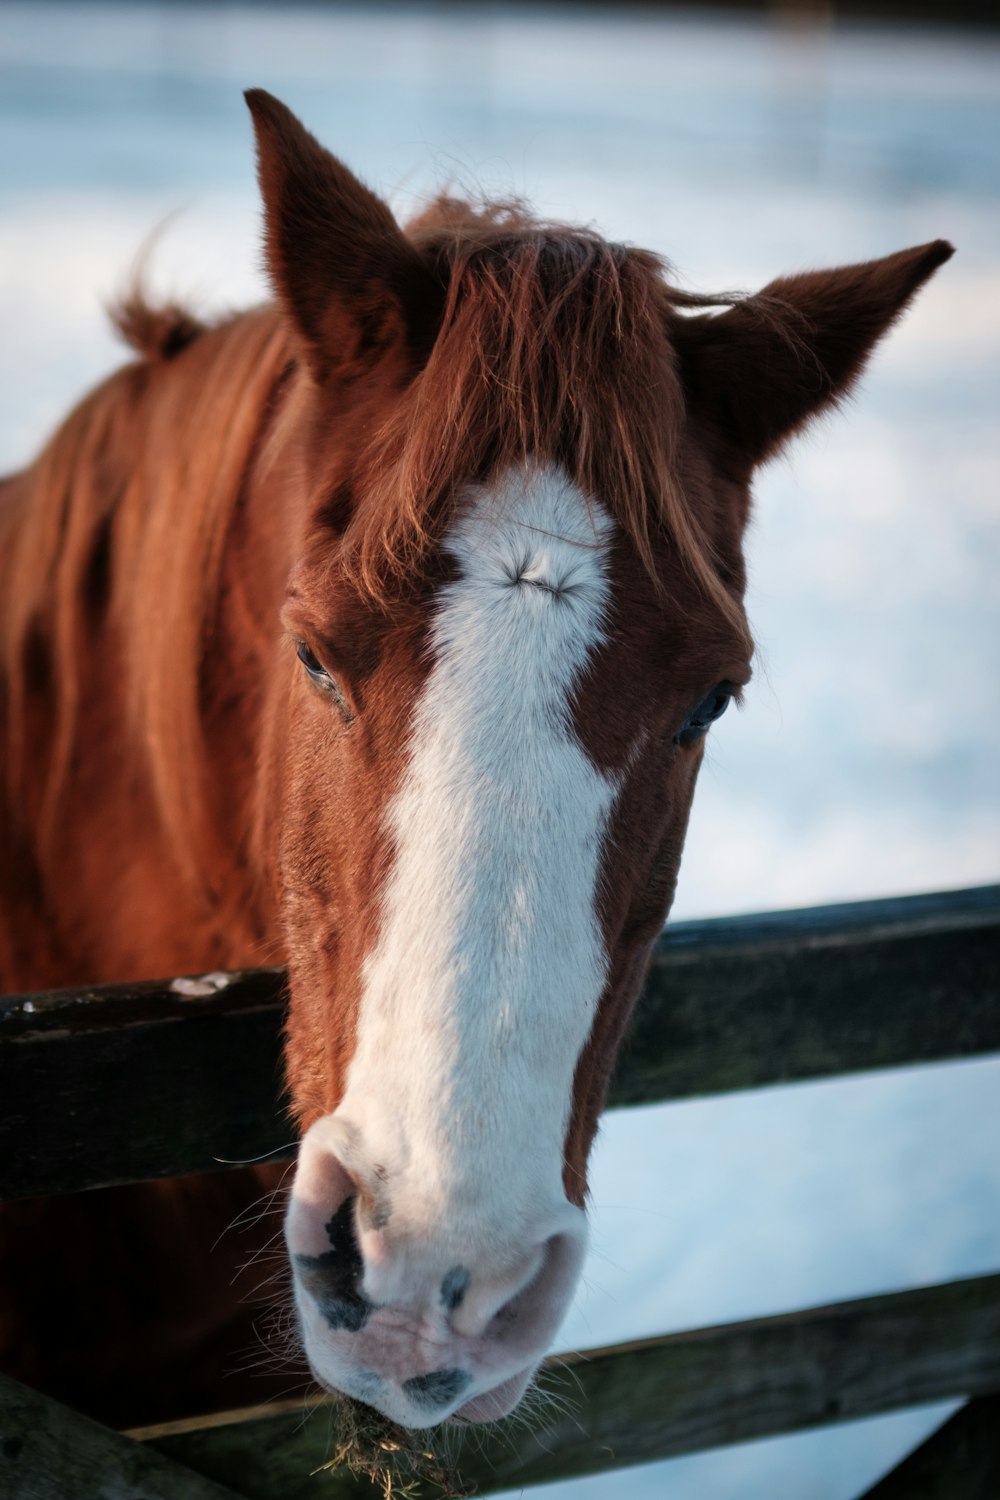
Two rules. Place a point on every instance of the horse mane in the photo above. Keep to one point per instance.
(104, 522)
(155, 332)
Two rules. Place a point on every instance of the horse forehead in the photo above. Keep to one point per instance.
(534, 514)
(531, 531)
(525, 608)
(523, 582)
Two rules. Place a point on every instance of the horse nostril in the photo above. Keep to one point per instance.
(344, 1249)
(518, 1319)
(333, 1278)
(438, 1388)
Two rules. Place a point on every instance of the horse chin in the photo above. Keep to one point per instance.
(490, 1406)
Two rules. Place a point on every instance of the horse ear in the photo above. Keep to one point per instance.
(761, 370)
(353, 285)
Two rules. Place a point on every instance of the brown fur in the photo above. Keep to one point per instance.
(177, 798)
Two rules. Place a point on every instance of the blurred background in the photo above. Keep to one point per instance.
(741, 144)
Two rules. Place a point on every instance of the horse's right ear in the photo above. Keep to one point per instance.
(352, 284)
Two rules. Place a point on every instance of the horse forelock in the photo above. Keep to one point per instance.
(553, 344)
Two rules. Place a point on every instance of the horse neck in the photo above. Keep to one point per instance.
(134, 753)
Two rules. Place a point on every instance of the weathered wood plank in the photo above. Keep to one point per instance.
(661, 1397)
(48, 1452)
(739, 1002)
(730, 1003)
(960, 1461)
(198, 1078)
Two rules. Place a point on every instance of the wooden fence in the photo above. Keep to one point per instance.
(729, 1004)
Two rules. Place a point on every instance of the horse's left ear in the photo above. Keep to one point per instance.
(759, 371)
(352, 283)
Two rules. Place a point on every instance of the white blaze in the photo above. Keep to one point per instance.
(480, 992)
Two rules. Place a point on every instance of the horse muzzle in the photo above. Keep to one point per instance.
(424, 1323)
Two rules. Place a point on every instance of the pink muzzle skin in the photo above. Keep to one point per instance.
(411, 1325)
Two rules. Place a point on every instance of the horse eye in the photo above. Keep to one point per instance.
(321, 677)
(312, 664)
(712, 708)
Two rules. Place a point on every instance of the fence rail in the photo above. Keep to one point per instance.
(658, 1398)
(729, 1004)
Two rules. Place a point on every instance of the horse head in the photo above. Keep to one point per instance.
(515, 609)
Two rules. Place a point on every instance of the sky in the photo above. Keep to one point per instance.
(865, 762)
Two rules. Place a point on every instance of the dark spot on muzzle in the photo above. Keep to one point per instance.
(454, 1287)
(332, 1279)
(438, 1388)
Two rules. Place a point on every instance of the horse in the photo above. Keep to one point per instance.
(378, 631)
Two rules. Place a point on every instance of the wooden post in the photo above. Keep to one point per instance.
(960, 1461)
(48, 1452)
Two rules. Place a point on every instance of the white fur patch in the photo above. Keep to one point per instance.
(480, 993)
